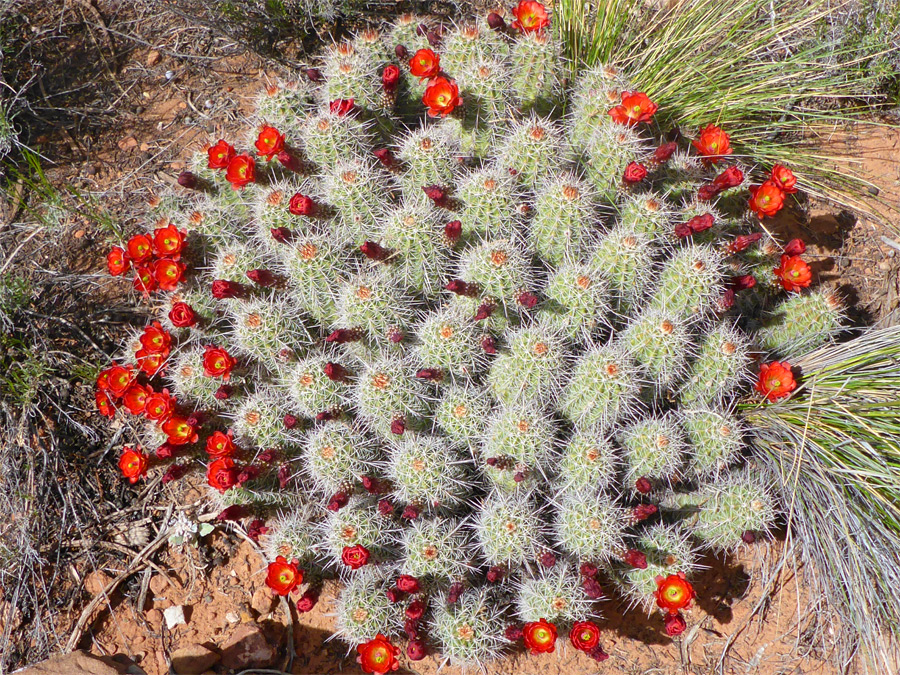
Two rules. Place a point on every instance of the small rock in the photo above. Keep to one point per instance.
(127, 143)
(76, 663)
(193, 660)
(231, 617)
(188, 119)
(153, 58)
(247, 648)
(154, 617)
(174, 616)
(158, 584)
(95, 582)
(263, 601)
(144, 147)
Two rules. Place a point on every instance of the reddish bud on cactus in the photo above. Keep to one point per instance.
(795, 247)
(341, 106)
(434, 38)
(327, 415)
(268, 456)
(695, 225)
(232, 513)
(514, 633)
(289, 161)
(374, 252)
(592, 588)
(385, 508)
(453, 230)
(492, 461)
(407, 583)
(635, 172)
(742, 283)
(386, 158)
(395, 336)
(343, 335)
(489, 345)
(415, 650)
(744, 241)
(528, 300)
(302, 205)
(635, 558)
(401, 52)
(188, 180)
(496, 22)
(675, 624)
(166, 451)
(415, 610)
(398, 426)
(262, 278)
(410, 512)
(643, 485)
(284, 476)
(174, 472)
(249, 473)
(588, 570)
(307, 601)
(335, 372)
(281, 234)
(495, 574)
(726, 302)
(394, 595)
(434, 374)
(222, 289)
(484, 312)
(314, 75)
(664, 152)
(598, 654)
(518, 476)
(547, 559)
(456, 589)
(460, 287)
(748, 537)
(411, 628)
(435, 193)
(338, 501)
(289, 421)
(223, 392)
(389, 79)
(643, 511)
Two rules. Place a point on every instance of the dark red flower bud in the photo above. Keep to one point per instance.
(302, 205)
(748, 537)
(460, 287)
(643, 511)
(256, 529)
(489, 345)
(335, 372)
(410, 512)
(701, 223)
(664, 152)
(435, 193)
(223, 392)
(281, 234)
(284, 476)
(395, 336)
(527, 299)
(484, 312)
(635, 558)
(707, 192)
(374, 252)
(370, 485)
(598, 654)
(588, 570)
(398, 426)
(314, 75)
(407, 583)
(411, 628)
(547, 559)
(188, 180)
(682, 230)
(634, 173)
(394, 595)
(196, 418)
(344, 335)
(519, 476)
(338, 501)
(233, 512)
(492, 461)
(249, 473)
(742, 283)
(165, 451)
(415, 650)
(744, 241)
(726, 302)
(341, 106)
(675, 624)
(174, 472)
(592, 588)
(453, 230)
(389, 78)
(495, 574)
(327, 415)
(456, 589)
(386, 157)
(434, 374)
(415, 610)
(307, 601)
(643, 485)
(267, 456)
(226, 289)
(385, 508)
(401, 52)
(514, 633)
(289, 421)
(289, 161)
(729, 178)
(795, 247)
(262, 278)
(496, 22)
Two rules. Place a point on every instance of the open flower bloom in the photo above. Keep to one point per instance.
(151, 363)
(341, 106)
(441, 97)
(179, 431)
(301, 205)
(155, 339)
(425, 64)
(133, 464)
(378, 655)
(117, 261)
(784, 178)
(674, 592)
(636, 107)
(222, 474)
(220, 445)
(135, 398)
(634, 173)
(775, 380)
(168, 273)
(269, 142)
(713, 144)
(530, 16)
(241, 171)
(144, 279)
(766, 199)
(585, 635)
(283, 576)
(119, 379)
(159, 406)
(104, 404)
(793, 273)
(355, 557)
(168, 242)
(540, 636)
(220, 155)
(218, 363)
(182, 315)
(140, 248)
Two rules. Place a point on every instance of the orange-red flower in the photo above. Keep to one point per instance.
(775, 380)
(179, 431)
(636, 107)
(269, 142)
(168, 273)
(103, 379)
(283, 576)
(530, 16)
(104, 404)
(135, 398)
(713, 144)
(133, 464)
(150, 363)
(793, 273)
(218, 363)
(390, 76)
(674, 592)
(441, 97)
(540, 636)
(355, 557)
(168, 242)
(159, 406)
(220, 155)
(425, 64)
(144, 279)
(585, 635)
(156, 339)
(220, 445)
(140, 248)
(784, 178)
(222, 474)
(241, 171)
(378, 656)
(117, 261)
(182, 315)
(766, 199)
(120, 378)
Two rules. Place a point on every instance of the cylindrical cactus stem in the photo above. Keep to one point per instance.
(191, 385)
(471, 630)
(450, 340)
(293, 535)
(609, 149)
(337, 455)
(667, 550)
(233, 259)
(624, 257)
(429, 155)
(578, 302)
(691, 282)
(530, 368)
(490, 201)
(538, 79)
(499, 273)
(358, 523)
(655, 448)
(565, 217)
(604, 388)
(648, 213)
(267, 328)
(437, 549)
(802, 322)
(589, 526)
(330, 137)
(363, 607)
(662, 343)
(258, 421)
(554, 594)
(510, 529)
(588, 461)
(462, 414)
(466, 46)
(285, 105)
(311, 263)
(517, 447)
(598, 89)
(360, 192)
(350, 69)
(390, 400)
(483, 120)
(716, 439)
(534, 148)
(720, 367)
(373, 304)
(427, 472)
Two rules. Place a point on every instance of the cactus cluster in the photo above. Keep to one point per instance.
(495, 349)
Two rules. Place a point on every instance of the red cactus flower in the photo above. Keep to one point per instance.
(784, 178)
(168, 242)
(355, 557)
(140, 248)
(635, 172)
(103, 379)
(341, 106)
(269, 142)
(793, 273)
(407, 583)
(744, 241)
(712, 144)
(307, 601)
(117, 261)
(795, 247)
(389, 78)
(674, 592)
(222, 289)
(133, 464)
(378, 656)
(425, 64)
(775, 380)
(135, 398)
(283, 576)
(144, 279)
(675, 624)
(182, 315)
(302, 205)
(766, 199)
(241, 171)
(531, 16)
(636, 107)
(150, 363)
(220, 445)
(220, 155)
(168, 273)
(120, 378)
(179, 431)
(540, 636)
(222, 474)
(664, 153)
(585, 635)
(156, 339)
(441, 97)
(217, 362)
(104, 404)
(160, 406)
